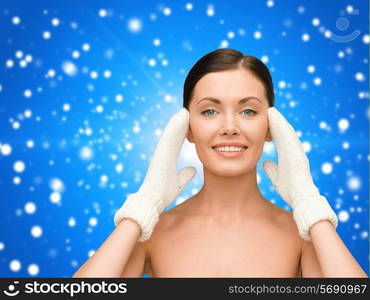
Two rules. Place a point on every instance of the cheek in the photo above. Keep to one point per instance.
(256, 129)
(201, 129)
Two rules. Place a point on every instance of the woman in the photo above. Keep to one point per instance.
(227, 229)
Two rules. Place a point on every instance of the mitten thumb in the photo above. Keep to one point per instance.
(184, 176)
(271, 169)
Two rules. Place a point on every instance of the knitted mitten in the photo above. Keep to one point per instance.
(292, 179)
(162, 183)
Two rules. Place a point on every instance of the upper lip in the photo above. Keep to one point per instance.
(229, 145)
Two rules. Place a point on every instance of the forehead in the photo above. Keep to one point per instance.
(234, 84)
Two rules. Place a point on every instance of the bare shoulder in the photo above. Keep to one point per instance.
(170, 218)
(281, 215)
(309, 265)
(284, 219)
(287, 227)
(165, 222)
(168, 222)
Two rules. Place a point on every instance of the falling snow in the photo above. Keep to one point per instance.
(85, 99)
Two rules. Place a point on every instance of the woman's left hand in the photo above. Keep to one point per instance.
(292, 178)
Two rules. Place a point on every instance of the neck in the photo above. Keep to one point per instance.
(230, 198)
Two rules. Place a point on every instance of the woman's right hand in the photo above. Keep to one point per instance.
(162, 184)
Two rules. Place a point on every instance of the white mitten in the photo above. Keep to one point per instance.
(292, 178)
(162, 184)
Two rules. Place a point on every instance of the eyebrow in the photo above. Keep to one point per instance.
(241, 101)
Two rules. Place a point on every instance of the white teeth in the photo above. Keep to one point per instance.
(230, 149)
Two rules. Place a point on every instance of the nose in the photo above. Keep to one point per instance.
(229, 127)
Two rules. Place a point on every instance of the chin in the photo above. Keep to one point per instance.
(229, 171)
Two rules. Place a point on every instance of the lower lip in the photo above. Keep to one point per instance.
(230, 154)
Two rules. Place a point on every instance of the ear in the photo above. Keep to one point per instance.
(268, 137)
(189, 135)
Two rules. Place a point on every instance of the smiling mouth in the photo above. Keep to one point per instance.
(243, 149)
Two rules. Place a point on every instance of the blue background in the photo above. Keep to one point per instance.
(75, 141)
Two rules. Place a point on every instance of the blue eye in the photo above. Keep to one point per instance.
(251, 111)
(207, 112)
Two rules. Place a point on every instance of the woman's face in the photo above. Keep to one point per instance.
(229, 121)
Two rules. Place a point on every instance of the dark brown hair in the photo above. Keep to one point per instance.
(223, 60)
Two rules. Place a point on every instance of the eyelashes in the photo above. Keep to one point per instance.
(206, 112)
